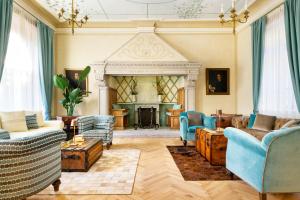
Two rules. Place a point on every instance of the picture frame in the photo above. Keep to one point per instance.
(71, 74)
(217, 81)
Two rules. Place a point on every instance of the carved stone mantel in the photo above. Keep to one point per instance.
(146, 54)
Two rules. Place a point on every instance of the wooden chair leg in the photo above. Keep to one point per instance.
(230, 174)
(56, 185)
(184, 142)
(262, 196)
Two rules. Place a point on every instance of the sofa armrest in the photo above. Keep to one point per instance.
(85, 123)
(209, 122)
(104, 119)
(183, 125)
(31, 144)
(54, 124)
(244, 139)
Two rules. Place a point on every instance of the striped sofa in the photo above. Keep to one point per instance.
(99, 126)
(29, 164)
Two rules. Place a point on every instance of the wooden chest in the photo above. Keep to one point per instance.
(81, 158)
(197, 139)
(200, 141)
(215, 147)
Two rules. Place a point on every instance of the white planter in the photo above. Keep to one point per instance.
(133, 98)
(159, 98)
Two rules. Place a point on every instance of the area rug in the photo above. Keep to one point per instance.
(194, 167)
(113, 173)
(147, 133)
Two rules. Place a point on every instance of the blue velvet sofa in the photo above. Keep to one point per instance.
(187, 133)
(270, 165)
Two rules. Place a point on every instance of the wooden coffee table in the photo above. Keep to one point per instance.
(80, 158)
(212, 145)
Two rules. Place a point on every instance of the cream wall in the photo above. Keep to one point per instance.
(212, 50)
(244, 72)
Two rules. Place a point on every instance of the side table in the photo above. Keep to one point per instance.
(67, 125)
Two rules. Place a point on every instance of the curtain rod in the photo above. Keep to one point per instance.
(35, 17)
(26, 10)
(274, 8)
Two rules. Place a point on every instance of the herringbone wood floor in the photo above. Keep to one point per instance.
(158, 178)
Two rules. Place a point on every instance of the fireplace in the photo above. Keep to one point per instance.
(146, 118)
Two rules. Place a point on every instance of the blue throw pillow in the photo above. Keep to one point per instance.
(251, 120)
(176, 106)
(4, 135)
(31, 121)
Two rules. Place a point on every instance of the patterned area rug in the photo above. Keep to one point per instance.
(147, 133)
(113, 173)
(194, 167)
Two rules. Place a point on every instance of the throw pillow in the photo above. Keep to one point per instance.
(210, 122)
(291, 123)
(176, 106)
(264, 122)
(116, 106)
(251, 120)
(39, 117)
(195, 119)
(13, 121)
(4, 135)
(31, 121)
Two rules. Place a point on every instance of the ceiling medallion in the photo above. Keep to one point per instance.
(190, 10)
(234, 15)
(72, 19)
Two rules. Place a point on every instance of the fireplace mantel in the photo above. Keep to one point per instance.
(146, 54)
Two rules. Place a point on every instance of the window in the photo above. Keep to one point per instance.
(277, 95)
(20, 85)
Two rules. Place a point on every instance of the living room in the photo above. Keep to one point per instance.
(150, 99)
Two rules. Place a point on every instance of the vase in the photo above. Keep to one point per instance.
(70, 111)
(159, 98)
(133, 98)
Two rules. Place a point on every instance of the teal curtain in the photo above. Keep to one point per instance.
(292, 29)
(6, 9)
(46, 66)
(258, 37)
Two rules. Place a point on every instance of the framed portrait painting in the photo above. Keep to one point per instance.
(217, 81)
(73, 76)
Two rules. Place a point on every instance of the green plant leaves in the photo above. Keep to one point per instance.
(74, 94)
(60, 81)
(83, 75)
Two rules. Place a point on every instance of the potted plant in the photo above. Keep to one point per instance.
(72, 95)
(159, 88)
(133, 91)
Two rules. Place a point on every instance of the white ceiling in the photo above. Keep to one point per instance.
(103, 10)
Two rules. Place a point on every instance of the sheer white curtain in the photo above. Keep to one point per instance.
(277, 96)
(20, 87)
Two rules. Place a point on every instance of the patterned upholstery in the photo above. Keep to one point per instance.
(31, 121)
(29, 164)
(100, 126)
(4, 135)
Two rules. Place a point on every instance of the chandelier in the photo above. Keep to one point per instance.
(72, 19)
(234, 17)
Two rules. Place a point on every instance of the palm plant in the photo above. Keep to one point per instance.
(72, 95)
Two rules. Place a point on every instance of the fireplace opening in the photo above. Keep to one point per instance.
(146, 118)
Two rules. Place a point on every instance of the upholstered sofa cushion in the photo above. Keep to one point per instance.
(192, 129)
(195, 119)
(291, 123)
(13, 121)
(264, 122)
(259, 134)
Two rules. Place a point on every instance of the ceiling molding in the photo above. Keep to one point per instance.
(145, 29)
(261, 12)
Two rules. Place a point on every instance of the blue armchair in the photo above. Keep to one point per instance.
(98, 126)
(270, 165)
(187, 133)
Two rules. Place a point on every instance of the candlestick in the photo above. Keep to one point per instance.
(222, 8)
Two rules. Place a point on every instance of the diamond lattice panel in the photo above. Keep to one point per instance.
(123, 88)
(170, 87)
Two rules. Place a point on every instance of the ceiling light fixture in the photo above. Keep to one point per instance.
(234, 15)
(72, 20)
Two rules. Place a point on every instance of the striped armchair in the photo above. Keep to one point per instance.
(29, 164)
(98, 126)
